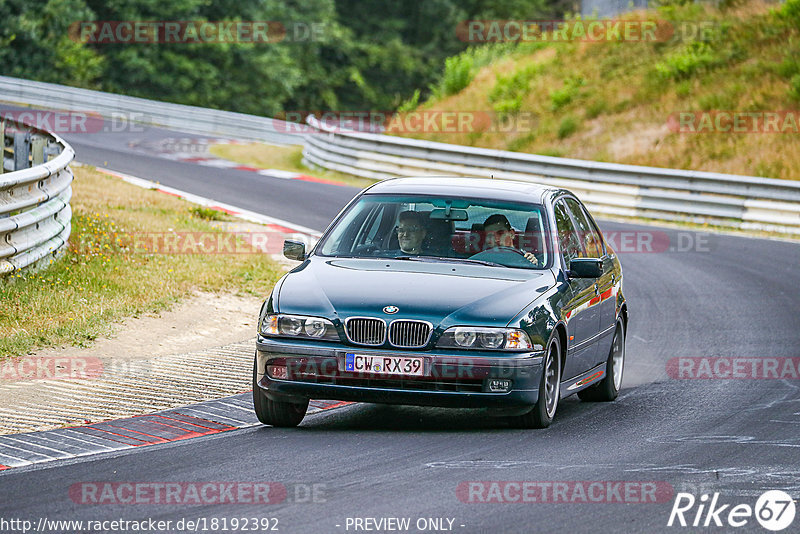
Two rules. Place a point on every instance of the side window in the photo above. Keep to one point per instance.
(567, 235)
(587, 234)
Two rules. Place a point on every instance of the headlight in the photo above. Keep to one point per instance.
(464, 337)
(290, 325)
(298, 326)
(315, 327)
(469, 337)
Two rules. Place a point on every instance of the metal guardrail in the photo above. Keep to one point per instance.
(34, 195)
(745, 202)
(189, 119)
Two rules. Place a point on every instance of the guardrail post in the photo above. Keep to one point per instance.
(2, 146)
(22, 150)
(37, 150)
(52, 149)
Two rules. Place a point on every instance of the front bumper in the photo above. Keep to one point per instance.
(454, 379)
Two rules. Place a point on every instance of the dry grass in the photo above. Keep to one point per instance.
(95, 284)
(284, 158)
(623, 107)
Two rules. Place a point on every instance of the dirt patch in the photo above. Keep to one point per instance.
(638, 141)
(200, 321)
(201, 349)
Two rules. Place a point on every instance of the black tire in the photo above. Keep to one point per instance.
(608, 388)
(543, 412)
(274, 413)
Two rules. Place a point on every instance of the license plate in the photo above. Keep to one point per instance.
(384, 365)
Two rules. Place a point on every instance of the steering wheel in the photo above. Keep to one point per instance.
(534, 260)
(511, 249)
(367, 249)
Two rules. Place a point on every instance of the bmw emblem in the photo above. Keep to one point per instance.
(391, 309)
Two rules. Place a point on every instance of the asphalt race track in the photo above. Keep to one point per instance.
(699, 295)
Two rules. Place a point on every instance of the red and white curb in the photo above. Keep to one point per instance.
(201, 156)
(273, 223)
(203, 419)
(206, 418)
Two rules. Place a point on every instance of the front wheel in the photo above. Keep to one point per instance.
(270, 412)
(542, 414)
(607, 389)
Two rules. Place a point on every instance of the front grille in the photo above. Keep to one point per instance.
(410, 334)
(366, 331)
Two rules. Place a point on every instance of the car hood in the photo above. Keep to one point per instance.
(442, 293)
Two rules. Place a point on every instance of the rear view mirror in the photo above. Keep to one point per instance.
(586, 268)
(294, 250)
(448, 214)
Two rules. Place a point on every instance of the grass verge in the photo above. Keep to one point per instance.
(620, 101)
(284, 158)
(81, 296)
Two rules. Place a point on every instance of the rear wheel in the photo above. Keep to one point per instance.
(270, 412)
(542, 414)
(607, 389)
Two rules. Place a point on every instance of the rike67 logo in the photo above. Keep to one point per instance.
(774, 510)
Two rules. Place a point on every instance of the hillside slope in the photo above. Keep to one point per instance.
(622, 101)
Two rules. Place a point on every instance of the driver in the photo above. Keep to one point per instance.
(500, 233)
(411, 232)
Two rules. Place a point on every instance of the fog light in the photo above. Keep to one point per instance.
(277, 371)
(497, 385)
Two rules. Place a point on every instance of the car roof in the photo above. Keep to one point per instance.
(464, 187)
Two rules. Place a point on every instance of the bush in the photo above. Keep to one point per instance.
(791, 11)
(208, 214)
(596, 108)
(518, 143)
(410, 104)
(561, 97)
(567, 127)
(696, 56)
(458, 73)
(509, 91)
(459, 70)
(715, 49)
(794, 87)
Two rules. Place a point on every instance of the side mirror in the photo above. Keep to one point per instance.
(294, 250)
(586, 268)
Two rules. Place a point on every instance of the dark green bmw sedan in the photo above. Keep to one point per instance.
(451, 292)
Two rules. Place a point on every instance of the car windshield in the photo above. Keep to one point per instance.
(428, 228)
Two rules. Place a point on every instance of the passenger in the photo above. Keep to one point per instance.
(411, 232)
(500, 233)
